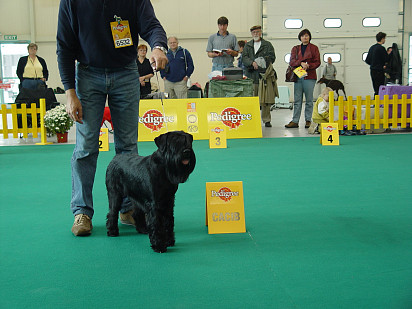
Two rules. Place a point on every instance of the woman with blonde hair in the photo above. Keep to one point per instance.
(145, 71)
(32, 69)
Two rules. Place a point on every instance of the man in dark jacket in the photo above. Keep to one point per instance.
(377, 57)
(257, 55)
(102, 36)
(178, 70)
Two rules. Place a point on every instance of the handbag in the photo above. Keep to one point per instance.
(290, 75)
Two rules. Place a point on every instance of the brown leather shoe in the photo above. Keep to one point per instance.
(292, 125)
(307, 125)
(82, 225)
(127, 218)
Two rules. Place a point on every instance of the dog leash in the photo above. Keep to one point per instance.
(156, 73)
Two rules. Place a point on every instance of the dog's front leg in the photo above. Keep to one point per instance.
(115, 203)
(169, 224)
(155, 224)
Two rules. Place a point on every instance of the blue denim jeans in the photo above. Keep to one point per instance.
(33, 84)
(121, 88)
(303, 86)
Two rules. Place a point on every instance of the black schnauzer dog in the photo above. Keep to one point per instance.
(334, 84)
(150, 183)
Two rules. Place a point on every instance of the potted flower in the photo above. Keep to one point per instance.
(58, 122)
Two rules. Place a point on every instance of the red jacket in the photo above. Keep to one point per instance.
(311, 56)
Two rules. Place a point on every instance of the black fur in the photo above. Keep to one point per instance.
(150, 183)
(334, 84)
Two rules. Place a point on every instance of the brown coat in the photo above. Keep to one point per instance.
(268, 88)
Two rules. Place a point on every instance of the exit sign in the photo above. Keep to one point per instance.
(10, 37)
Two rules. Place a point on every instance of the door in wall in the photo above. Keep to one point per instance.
(10, 54)
(337, 53)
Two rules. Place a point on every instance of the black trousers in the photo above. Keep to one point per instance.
(378, 79)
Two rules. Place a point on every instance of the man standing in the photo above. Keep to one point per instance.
(178, 70)
(102, 37)
(329, 72)
(222, 46)
(377, 57)
(257, 56)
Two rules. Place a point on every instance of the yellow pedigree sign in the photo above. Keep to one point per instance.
(329, 134)
(240, 116)
(217, 137)
(225, 212)
(104, 139)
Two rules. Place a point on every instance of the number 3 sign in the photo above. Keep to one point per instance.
(217, 137)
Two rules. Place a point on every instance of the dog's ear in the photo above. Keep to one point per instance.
(160, 141)
(190, 137)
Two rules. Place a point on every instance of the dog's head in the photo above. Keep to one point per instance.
(322, 80)
(176, 153)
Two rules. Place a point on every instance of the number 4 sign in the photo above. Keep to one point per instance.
(329, 134)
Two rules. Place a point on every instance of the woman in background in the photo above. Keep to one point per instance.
(307, 56)
(145, 71)
(32, 69)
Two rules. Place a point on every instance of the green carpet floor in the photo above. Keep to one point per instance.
(327, 227)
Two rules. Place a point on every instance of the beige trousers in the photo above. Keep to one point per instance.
(176, 90)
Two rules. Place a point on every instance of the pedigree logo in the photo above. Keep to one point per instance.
(330, 128)
(120, 27)
(154, 120)
(224, 194)
(231, 117)
(217, 130)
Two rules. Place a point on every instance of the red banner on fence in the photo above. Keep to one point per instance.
(4, 86)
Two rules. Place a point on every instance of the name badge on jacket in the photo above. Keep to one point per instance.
(121, 33)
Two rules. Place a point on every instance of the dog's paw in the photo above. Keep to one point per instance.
(159, 249)
(112, 233)
(142, 230)
(170, 243)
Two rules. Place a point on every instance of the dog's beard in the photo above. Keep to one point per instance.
(180, 167)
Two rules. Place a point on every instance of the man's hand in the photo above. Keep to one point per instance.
(74, 107)
(185, 78)
(158, 59)
(255, 66)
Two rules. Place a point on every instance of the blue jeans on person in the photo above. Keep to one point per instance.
(33, 84)
(93, 85)
(220, 67)
(303, 86)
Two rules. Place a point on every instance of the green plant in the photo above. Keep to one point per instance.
(57, 120)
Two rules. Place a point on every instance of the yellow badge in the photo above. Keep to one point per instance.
(121, 33)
